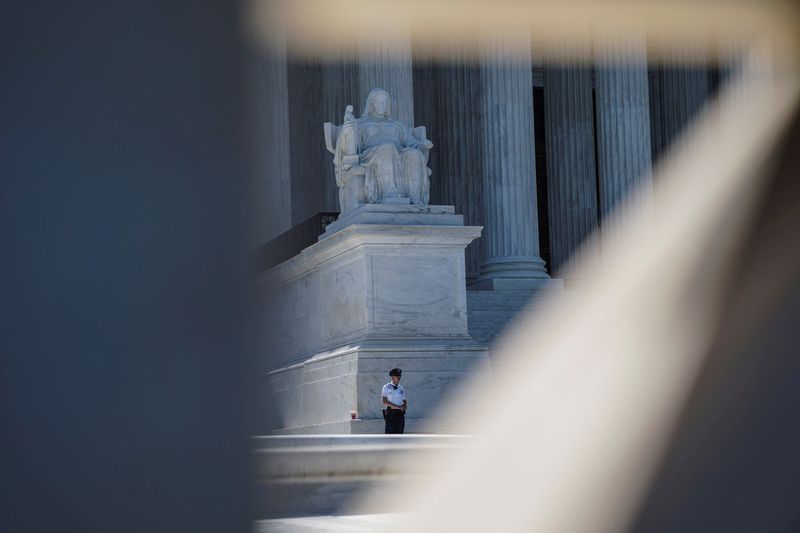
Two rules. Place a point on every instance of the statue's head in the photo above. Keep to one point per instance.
(379, 104)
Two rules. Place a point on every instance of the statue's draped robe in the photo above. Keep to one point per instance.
(351, 185)
(395, 165)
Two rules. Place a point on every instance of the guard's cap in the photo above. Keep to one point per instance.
(396, 372)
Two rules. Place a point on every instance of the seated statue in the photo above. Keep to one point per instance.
(377, 159)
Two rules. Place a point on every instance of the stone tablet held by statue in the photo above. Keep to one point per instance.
(377, 159)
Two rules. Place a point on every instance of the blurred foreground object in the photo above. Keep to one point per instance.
(383, 28)
(123, 378)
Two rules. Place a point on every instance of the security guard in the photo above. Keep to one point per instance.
(394, 403)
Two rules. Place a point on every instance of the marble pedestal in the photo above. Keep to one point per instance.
(383, 288)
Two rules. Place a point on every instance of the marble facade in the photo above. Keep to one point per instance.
(538, 196)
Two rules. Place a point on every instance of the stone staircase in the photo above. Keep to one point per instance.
(489, 312)
(312, 478)
(313, 475)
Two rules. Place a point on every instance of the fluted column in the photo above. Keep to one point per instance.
(572, 184)
(623, 121)
(685, 90)
(447, 99)
(305, 110)
(511, 234)
(270, 154)
(682, 89)
(384, 61)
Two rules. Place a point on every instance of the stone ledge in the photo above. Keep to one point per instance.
(312, 457)
(263, 442)
(316, 524)
(316, 474)
(374, 427)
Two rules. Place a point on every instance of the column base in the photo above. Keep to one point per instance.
(512, 273)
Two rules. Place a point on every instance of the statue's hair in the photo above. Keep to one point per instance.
(372, 94)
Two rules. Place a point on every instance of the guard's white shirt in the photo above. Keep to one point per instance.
(396, 396)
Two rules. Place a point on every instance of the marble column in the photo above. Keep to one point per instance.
(305, 110)
(447, 96)
(569, 133)
(681, 89)
(319, 90)
(511, 232)
(384, 60)
(270, 153)
(623, 122)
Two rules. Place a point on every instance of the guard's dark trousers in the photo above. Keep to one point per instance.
(395, 421)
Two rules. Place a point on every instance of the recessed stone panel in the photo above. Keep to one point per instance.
(417, 294)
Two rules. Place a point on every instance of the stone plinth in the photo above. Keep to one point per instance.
(383, 288)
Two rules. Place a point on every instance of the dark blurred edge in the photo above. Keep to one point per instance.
(733, 463)
(124, 393)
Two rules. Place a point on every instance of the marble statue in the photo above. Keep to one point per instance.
(377, 159)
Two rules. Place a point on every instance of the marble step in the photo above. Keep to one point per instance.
(284, 499)
(506, 308)
(292, 457)
(284, 441)
(487, 330)
(490, 312)
(496, 303)
(303, 475)
(500, 295)
(367, 523)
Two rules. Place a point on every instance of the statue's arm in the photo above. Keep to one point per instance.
(419, 138)
(345, 158)
(331, 134)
